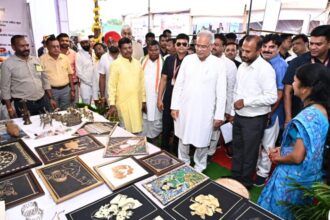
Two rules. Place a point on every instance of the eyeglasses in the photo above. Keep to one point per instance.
(178, 44)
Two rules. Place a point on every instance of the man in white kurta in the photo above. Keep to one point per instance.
(85, 71)
(199, 100)
(231, 71)
(152, 66)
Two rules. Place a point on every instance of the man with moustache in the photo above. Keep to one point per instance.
(270, 52)
(126, 87)
(126, 31)
(85, 70)
(319, 53)
(152, 66)
(22, 78)
(99, 50)
(231, 70)
(199, 100)
(163, 45)
(170, 71)
(252, 104)
(112, 39)
(299, 46)
(64, 41)
(59, 78)
(231, 52)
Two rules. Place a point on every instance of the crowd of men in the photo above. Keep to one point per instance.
(173, 86)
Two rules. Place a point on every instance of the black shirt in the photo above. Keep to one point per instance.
(168, 70)
(291, 71)
(163, 53)
(237, 63)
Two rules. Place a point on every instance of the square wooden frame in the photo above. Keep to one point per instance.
(31, 182)
(115, 124)
(110, 184)
(109, 146)
(52, 191)
(156, 171)
(25, 152)
(46, 160)
(172, 194)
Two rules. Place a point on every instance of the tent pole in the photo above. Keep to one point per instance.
(248, 24)
(149, 29)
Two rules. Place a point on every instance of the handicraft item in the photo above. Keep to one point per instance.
(175, 183)
(67, 178)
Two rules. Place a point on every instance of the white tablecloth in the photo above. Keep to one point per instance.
(46, 203)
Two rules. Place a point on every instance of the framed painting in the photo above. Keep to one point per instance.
(67, 178)
(15, 157)
(121, 172)
(19, 188)
(252, 211)
(207, 201)
(7, 138)
(161, 162)
(68, 148)
(97, 128)
(172, 185)
(127, 203)
(128, 146)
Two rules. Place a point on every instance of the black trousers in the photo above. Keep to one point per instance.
(168, 129)
(247, 136)
(35, 107)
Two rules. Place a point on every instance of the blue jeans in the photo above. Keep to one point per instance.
(35, 107)
(62, 97)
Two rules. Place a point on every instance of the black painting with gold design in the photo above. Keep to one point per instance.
(19, 188)
(67, 148)
(15, 157)
(67, 178)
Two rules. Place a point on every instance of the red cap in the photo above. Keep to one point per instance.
(111, 34)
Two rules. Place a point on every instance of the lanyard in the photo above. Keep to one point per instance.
(175, 69)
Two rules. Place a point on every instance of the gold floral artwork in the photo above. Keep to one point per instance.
(120, 208)
(121, 171)
(205, 205)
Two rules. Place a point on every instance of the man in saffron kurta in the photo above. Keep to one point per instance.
(126, 86)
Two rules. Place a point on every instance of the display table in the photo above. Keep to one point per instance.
(49, 208)
(169, 195)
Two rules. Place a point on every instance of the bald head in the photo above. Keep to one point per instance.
(126, 31)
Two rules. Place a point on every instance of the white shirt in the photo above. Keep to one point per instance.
(256, 85)
(150, 74)
(84, 67)
(231, 71)
(104, 69)
(199, 94)
(96, 77)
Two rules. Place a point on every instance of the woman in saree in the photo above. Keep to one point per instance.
(300, 157)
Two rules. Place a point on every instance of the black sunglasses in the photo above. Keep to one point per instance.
(178, 44)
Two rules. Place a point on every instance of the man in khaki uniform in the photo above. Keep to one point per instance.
(22, 78)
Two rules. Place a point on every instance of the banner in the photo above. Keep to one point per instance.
(14, 19)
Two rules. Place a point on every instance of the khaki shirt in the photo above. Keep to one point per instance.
(23, 79)
(57, 70)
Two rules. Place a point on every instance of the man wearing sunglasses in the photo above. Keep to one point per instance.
(199, 100)
(169, 73)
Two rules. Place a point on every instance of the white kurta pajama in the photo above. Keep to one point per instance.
(231, 71)
(200, 96)
(85, 72)
(152, 121)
